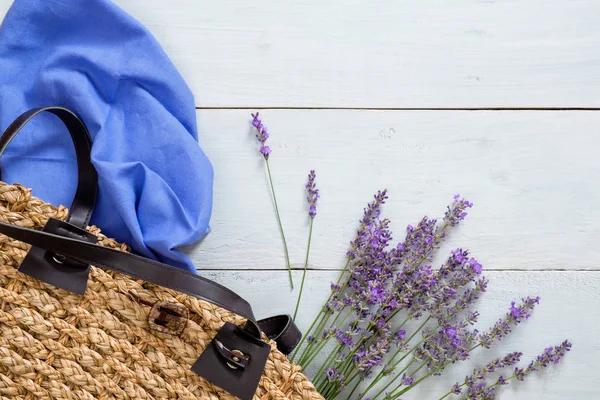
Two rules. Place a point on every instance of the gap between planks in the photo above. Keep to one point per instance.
(405, 108)
(339, 270)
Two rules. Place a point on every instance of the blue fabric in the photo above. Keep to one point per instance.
(155, 183)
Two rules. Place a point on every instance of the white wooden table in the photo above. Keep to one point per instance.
(497, 100)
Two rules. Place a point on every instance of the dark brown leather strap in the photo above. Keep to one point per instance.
(283, 330)
(137, 267)
(280, 328)
(85, 197)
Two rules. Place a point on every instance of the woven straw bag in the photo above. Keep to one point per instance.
(125, 327)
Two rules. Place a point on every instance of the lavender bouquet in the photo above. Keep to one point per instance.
(392, 320)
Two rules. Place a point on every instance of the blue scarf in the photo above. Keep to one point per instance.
(155, 183)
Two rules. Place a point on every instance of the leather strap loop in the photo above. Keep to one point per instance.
(283, 330)
(85, 197)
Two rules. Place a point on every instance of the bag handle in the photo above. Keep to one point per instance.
(235, 358)
(280, 328)
(85, 196)
(62, 253)
(134, 266)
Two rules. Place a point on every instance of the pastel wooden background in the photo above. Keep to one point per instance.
(497, 100)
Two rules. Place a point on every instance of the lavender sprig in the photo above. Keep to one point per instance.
(502, 328)
(312, 195)
(262, 135)
(478, 389)
(479, 374)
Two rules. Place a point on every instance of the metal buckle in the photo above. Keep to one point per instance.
(236, 358)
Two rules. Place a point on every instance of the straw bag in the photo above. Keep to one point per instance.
(126, 327)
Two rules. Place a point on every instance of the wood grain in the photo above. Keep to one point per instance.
(364, 53)
(567, 310)
(532, 176)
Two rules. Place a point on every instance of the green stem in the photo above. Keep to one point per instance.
(388, 385)
(380, 375)
(450, 392)
(322, 311)
(310, 354)
(306, 361)
(285, 248)
(309, 347)
(480, 391)
(329, 358)
(312, 220)
(441, 367)
(355, 386)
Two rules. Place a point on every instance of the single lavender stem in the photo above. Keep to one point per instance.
(312, 220)
(496, 384)
(285, 247)
(482, 390)
(451, 392)
(448, 394)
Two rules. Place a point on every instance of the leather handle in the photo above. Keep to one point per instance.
(137, 267)
(85, 196)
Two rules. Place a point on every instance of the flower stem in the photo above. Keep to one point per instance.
(322, 345)
(441, 367)
(285, 247)
(388, 385)
(330, 357)
(312, 220)
(409, 352)
(321, 312)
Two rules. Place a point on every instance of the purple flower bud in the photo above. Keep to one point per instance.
(407, 380)
(312, 194)
(333, 375)
(265, 151)
(456, 388)
(261, 135)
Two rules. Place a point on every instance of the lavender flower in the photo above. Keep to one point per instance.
(407, 380)
(312, 194)
(478, 389)
(503, 327)
(333, 375)
(457, 211)
(550, 355)
(261, 135)
(475, 382)
(312, 197)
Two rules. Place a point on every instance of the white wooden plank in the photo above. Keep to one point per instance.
(4, 5)
(568, 309)
(533, 177)
(364, 53)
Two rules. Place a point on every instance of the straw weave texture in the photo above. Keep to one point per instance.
(58, 345)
